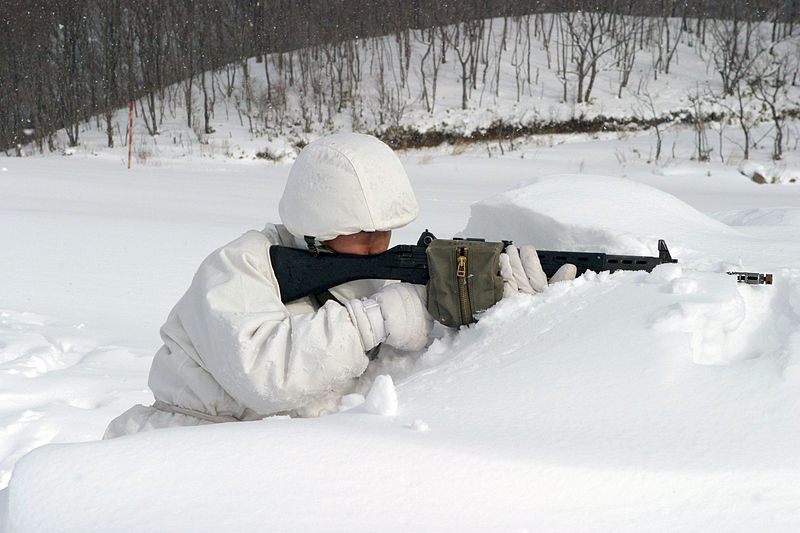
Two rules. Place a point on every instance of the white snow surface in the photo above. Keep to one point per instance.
(600, 213)
(626, 402)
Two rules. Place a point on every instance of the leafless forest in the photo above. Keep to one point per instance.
(67, 62)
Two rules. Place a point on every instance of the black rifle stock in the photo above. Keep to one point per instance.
(302, 273)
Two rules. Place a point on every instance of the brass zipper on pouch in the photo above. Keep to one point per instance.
(461, 278)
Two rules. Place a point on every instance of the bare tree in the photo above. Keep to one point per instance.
(521, 55)
(16, 113)
(625, 53)
(647, 111)
(429, 68)
(110, 39)
(667, 41)
(151, 41)
(743, 95)
(185, 38)
(563, 44)
(731, 52)
(762, 76)
(589, 45)
(543, 24)
(503, 46)
(702, 150)
(205, 63)
(769, 87)
(464, 40)
(70, 45)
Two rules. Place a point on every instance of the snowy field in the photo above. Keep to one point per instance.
(625, 402)
(628, 402)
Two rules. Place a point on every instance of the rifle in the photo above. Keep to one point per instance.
(303, 273)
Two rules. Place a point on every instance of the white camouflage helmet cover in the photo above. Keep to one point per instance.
(345, 183)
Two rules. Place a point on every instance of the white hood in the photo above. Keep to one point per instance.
(345, 183)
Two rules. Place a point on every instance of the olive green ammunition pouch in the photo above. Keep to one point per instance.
(464, 279)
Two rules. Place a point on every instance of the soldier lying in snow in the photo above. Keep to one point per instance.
(233, 351)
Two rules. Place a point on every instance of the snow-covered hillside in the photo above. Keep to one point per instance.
(414, 84)
(626, 402)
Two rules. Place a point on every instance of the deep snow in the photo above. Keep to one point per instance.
(623, 402)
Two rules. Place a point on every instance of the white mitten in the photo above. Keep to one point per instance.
(522, 271)
(397, 314)
(565, 272)
(366, 315)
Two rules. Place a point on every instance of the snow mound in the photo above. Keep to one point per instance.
(769, 173)
(382, 397)
(580, 212)
(728, 322)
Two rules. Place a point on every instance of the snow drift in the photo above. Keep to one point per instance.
(580, 212)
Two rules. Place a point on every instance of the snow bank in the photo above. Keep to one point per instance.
(579, 212)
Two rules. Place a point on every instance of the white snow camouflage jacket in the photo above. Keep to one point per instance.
(233, 351)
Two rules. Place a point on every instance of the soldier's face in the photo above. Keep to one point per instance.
(361, 243)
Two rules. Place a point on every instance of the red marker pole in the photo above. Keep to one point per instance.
(130, 137)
